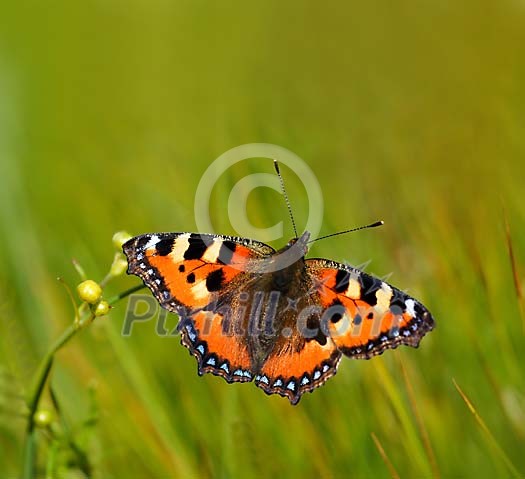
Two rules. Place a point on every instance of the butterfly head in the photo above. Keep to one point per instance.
(300, 244)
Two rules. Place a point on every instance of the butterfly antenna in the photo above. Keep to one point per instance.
(288, 205)
(373, 225)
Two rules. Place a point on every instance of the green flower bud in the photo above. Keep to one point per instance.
(43, 418)
(102, 308)
(119, 266)
(119, 238)
(89, 291)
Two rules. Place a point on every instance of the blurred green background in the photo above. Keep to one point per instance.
(410, 112)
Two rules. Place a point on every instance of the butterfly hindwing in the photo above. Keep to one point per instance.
(217, 350)
(291, 372)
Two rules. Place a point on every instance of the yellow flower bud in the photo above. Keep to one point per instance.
(89, 291)
(119, 265)
(43, 418)
(102, 308)
(119, 238)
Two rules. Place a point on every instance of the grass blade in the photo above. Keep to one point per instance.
(385, 458)
(420, 423)
(491, 439)
(515, 273)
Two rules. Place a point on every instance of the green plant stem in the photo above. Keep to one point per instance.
(42, 374)
(118, 297)
(29, 454)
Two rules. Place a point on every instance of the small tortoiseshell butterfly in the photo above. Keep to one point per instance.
(250, 313)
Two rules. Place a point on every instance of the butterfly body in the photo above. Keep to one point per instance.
(250, 313)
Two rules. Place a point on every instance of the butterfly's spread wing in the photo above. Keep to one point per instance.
(364, 315)
(190, 274)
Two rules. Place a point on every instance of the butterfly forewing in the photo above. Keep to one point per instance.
(365, 315)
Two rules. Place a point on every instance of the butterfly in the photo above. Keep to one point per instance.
(251, 313)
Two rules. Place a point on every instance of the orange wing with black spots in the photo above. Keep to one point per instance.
(188, 273)
(183, 270)
(364, 315)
